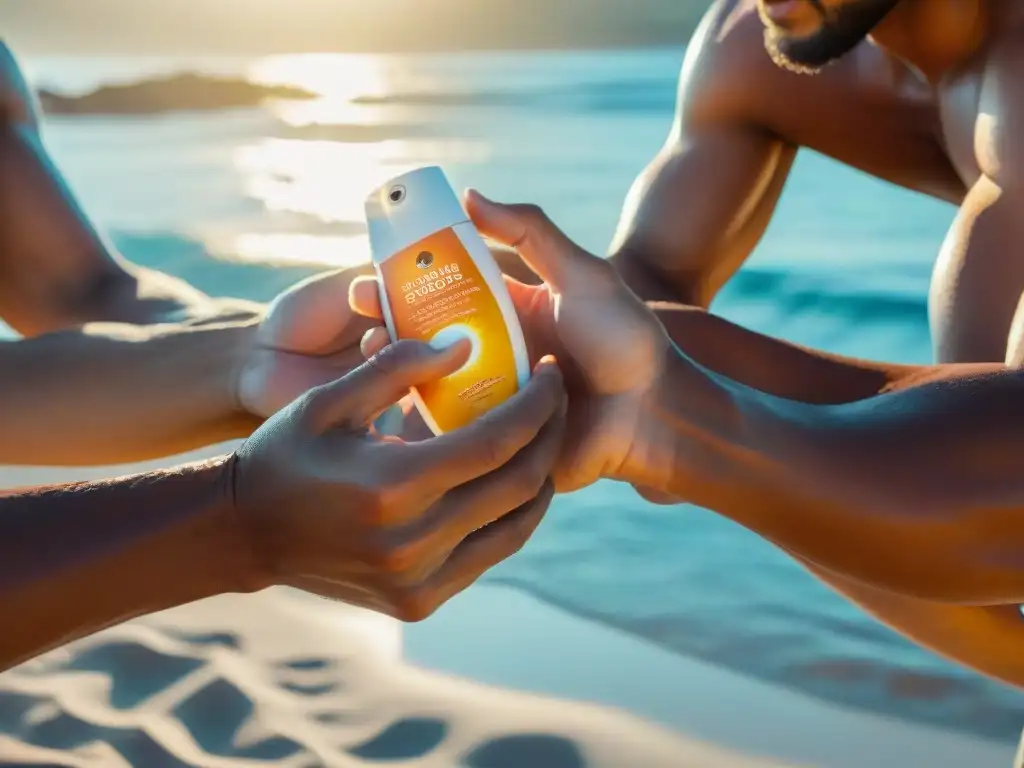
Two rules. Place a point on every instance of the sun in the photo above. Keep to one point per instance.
(335, 76)
(453, 333)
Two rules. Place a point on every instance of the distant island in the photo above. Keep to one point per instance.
(188, 91)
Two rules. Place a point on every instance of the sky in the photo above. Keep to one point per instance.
(272, 26)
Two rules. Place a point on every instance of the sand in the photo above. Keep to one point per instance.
(494, 680)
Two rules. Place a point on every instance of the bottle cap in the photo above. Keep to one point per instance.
(409, 208)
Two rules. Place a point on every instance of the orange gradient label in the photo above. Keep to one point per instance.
(437, 294)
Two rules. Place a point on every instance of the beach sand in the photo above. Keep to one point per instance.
(494, 680)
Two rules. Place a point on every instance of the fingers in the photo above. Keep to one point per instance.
(374, 340)
(364, 297)
(654, 496)
(478, 553)
(357, 398)
(312, 305)
(488, 443)
(480, 502)
(543, 246)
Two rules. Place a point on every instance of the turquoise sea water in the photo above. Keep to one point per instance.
(844, 267)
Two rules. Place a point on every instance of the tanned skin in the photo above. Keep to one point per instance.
(928, 102)
(117, 363)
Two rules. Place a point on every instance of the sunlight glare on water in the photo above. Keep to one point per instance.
(359, 146)
(341, 80)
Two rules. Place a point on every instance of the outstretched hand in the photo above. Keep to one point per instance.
(308, 336)
(609, 345)
(331, 507)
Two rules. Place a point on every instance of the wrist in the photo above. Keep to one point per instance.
(692, 437)
(125, 548)
(232, 330)
(250, 571)
(220, 533)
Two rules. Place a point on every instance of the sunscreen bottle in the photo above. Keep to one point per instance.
(439, 284)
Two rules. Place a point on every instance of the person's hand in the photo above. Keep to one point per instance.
(396, 527)
(308, 336)
(610, 345)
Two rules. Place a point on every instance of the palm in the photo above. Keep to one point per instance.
(609, 344)
(309, 337)
(606, 338)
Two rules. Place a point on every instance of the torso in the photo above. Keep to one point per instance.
(873, 113)
(879, 119)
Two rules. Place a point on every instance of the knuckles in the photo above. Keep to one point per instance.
(414, 604)
(533, 214)
(390, 360)
(393, 557)
(384, 495)
(498, 450)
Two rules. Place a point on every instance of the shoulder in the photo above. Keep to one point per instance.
(16, 98)
(729, 77)
(724, 60)
(999, 130)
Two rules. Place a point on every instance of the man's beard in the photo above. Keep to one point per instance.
(772, 43)
(841, 31)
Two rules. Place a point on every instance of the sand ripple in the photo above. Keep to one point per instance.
(269, 680)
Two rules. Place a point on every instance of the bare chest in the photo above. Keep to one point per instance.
(884, 121)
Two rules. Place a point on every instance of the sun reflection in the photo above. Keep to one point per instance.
(285, 249)
(357, 147)
(336, 76)
(325, 179)
(330, 179)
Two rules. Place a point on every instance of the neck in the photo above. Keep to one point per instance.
(936, 37)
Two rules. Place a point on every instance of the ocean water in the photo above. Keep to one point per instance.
(843, 267)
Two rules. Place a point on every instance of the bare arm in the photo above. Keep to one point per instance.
(56, 271)
(984, 638)
(917, 490)
(83, 557)
(694, 445)
(697, 211)
(114, 393)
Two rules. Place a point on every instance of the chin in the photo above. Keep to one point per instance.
(776, 43)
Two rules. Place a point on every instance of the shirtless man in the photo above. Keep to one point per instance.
(899, 490)
(928, 102)
(922, 93)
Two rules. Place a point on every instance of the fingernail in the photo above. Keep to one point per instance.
(451, 347)
(546, 363)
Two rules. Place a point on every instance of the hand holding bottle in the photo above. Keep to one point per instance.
(397, 527)
(610, 346)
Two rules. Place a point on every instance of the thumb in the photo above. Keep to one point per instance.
(364, 297)
(306, 317)
(527, 229)
(358, 398)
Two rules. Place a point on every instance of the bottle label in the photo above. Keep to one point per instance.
(437, 295)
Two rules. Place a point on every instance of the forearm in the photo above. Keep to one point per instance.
(652, 284)
(116, 393)
(917, 491)
(984, 638)
(78, 558)
(772, 365)
(56, 271)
